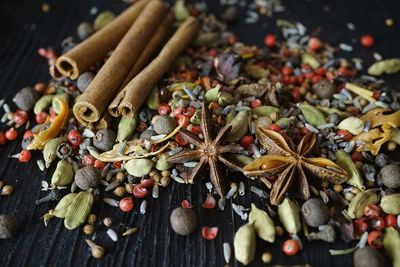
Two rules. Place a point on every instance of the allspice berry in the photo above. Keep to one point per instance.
(163, 124)
(368, 256)
(315, 212)
(88, 229)
(324, 89)
(26, 98)
(8, 226)
(87, 177)
(390, 175)
(104, 140)
(183, 221)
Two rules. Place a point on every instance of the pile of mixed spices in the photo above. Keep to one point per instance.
(292, 121)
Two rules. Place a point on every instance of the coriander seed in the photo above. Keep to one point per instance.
(166, 173)
(266, 257)
(129, 188)
(120, 191)
(107, 221)
(88, 229)
(91, 218)
(7, 190)
(120, 176)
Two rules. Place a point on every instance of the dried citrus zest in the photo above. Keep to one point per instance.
(112, 155)
(367, 94)
(41, 139)
(373, 140)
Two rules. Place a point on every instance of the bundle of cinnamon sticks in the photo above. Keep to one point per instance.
(126, 79)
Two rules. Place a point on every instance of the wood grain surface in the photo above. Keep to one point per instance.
(24, 28)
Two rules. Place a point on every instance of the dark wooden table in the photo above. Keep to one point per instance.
(24, 28)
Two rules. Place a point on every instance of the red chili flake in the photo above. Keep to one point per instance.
(346, 135)
(189, 112)
(270, 40)
(20, 117)
(314, 43)
(139, 191)
(164, 109)
(320, 71)
(212, 52)
(360, 226)
(246, 141)
(179, 111)
(209, 233)
(377, 223)
(117, 164)
(295, 93)
(180, 140)
(182, 120)
(88, 160)
(287, 70)
(255, 103)
(209, 202)
(275, 127)
(375, 239)
(27, 134)
(367, 41)
(372, 211)
(41, 117)
(390, 220)
(24, 156)
(98, 164)
(185, 204)
(376, 95)
(149, 182)
(356, 156)
(3, 138)
(196, 129)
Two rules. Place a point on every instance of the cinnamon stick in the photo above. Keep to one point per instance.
(150, 49)
(96, 47)
(108, 80)
(136, 91)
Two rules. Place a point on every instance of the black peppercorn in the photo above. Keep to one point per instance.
(84, 80)
(315, 212)
(26, 98)
(183, 221)
(104, 139)
(87, 177)
(390, 175)
(8, 226)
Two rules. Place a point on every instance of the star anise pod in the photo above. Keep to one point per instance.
(209, 151)
(288, 163)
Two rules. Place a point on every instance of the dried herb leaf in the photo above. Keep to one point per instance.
(344, 160)
(388, 66)
(263, 224)
(79, 209)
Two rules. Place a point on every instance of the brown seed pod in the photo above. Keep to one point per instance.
(183, 221)
(87, 177)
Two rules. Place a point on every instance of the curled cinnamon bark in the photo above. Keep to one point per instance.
(96, 47)
(136, 91)
(150, 49)
(99, 93)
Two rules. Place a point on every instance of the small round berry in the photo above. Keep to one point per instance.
(126, 204)
(24, 156)
(11, 134)
(367, 41)
(314, 43)
(74, 137)
(270, 40)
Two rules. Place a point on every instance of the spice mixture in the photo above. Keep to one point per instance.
(298, 125)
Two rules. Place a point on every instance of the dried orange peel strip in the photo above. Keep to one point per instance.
(41, 139)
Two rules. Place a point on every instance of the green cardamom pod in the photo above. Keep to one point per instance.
(43, 103)
(225, 98)
(180, 11)
(239, 126)
(256, 72)
(64, 174)
(289, 215)
(103, 19)
(240, 158)
(244, 243)
(50, 150)
(327, 111)
(391, 243)
(78, 210)
(312, 115)
(139, 167)
(212, 94)
(204, 38)
(196, 118)
(285, 122)
(231, 115)
(153, 101)
(360, 201)
(352, 124)
(265, 111)
(309, 59)
(55, 103)
(263, 224)
(60, 210)
(388, 66)
(390, 204)
(162, 163)
(126, 128)
(395, 135)
(344, 161)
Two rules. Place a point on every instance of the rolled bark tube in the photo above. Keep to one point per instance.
(136, 91)
(101, 90)
(95, 48)
(150, 49)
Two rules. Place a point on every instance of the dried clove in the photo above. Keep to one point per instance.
(54, 195)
